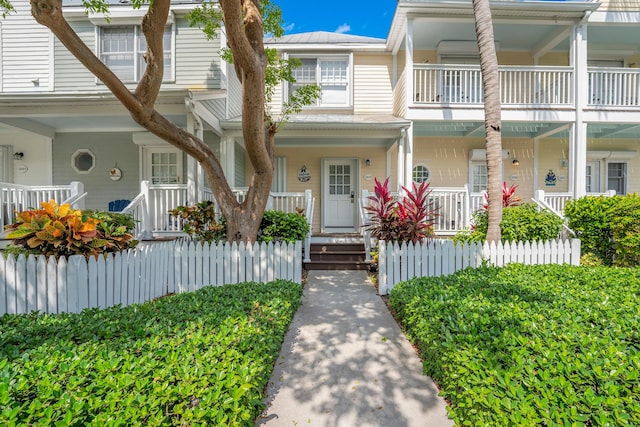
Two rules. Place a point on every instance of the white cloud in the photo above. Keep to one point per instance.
(289, 27)
(344, 28)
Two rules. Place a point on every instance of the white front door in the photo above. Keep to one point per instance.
(339, 195)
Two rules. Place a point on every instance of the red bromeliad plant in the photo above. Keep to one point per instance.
(508, 197)
(410, 220)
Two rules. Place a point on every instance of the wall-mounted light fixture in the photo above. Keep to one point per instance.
(367, 162)
(18, 156)
(516, 163)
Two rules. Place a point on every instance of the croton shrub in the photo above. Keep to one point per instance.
(545, 345)
(59, 230)
(193, 359)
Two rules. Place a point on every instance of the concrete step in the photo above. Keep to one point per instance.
(336, 265)
(337, 256)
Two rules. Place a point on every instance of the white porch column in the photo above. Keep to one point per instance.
(228, 158)
(408, 156)
(388, 165)
(408, 62)
(578, 131)
(400, 161)
(536, 154)
(194, 171)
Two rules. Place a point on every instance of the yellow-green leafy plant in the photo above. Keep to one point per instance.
(59, 230)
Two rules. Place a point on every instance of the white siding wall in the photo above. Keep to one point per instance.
(372, 92)
(70, 74)
(35, 167)
(197, 59)
(25, 51)
(110, 149)
(235, 94)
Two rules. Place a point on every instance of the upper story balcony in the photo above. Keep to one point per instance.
(460, 86)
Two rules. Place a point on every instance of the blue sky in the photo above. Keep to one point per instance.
(360, 17)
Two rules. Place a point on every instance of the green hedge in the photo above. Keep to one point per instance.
(191, 359)
(530, 345)
(608, 227)
(522, 223)
(277, 226)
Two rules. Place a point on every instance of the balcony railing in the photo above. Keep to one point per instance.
(521, 85)
(614, 87)
(462, 84)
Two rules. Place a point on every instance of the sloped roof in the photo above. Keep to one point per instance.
(323, 37)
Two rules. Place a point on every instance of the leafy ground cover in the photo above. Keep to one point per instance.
(201, 358)
(530, 345)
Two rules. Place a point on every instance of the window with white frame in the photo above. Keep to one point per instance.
(617, 177)
(331, 74)
(122, 49)
(421, 173)
(592, 175)
(479, 176)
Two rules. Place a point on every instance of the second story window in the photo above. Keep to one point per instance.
(122, 49)
(331, 74)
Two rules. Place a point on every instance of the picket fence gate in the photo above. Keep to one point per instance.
(397, 263)
(150, 271)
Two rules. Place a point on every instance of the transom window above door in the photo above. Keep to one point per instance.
(122, 49)
(332, 74)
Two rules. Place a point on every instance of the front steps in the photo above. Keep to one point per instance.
(337, 253)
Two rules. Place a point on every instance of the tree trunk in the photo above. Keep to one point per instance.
(243, 22)
(492, 121)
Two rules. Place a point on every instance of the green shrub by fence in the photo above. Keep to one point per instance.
(530, 345)
(201, 358)
(609, 228)
(522, 223)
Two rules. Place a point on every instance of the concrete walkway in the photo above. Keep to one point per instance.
(345, 362)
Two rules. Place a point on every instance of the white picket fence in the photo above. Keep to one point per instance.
(151, 271)
(397, 263)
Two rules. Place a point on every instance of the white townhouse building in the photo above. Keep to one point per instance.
(408, 107)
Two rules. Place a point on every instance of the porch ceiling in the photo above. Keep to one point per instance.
(527, 36)
(509, 36)
(334, 130)
(518, 25)
(73, 112)
(527, 130)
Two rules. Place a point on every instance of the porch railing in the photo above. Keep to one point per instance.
(16, 198)
(556, 202)
(151, 207)
(617, 87)
(462, 84)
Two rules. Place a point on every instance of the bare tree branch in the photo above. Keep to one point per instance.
(153, 25)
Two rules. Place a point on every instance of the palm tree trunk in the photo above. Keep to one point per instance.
(492, 121)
